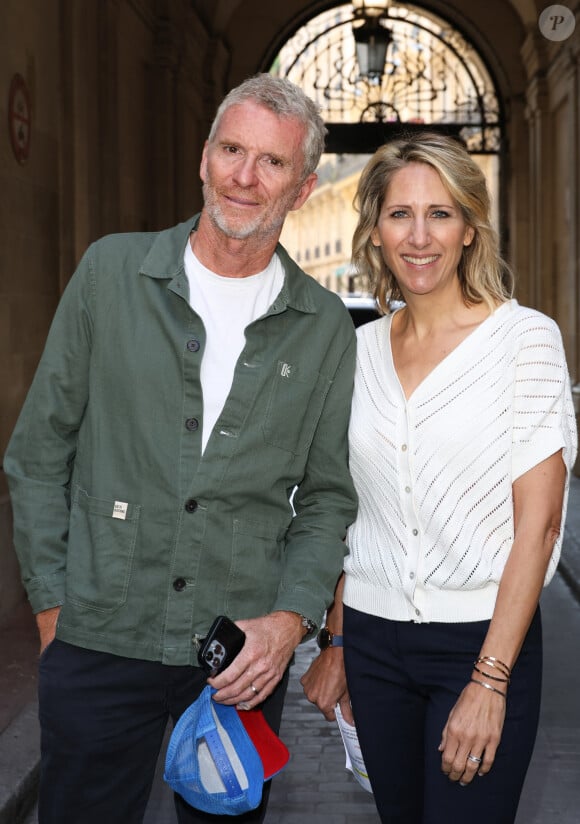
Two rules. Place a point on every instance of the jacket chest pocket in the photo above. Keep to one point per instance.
(295, 402)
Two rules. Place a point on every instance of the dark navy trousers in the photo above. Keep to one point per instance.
(103, 718)
(404, 678)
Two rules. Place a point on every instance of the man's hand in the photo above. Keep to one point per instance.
(46, 623)
(258, 668)
(324, 684)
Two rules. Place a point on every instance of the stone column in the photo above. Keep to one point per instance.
(108, 82)
(167, 53)
(538, 117)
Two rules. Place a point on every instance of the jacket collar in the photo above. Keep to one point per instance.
(165, 257)
(165, 261)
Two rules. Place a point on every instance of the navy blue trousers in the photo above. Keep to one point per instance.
(404, 678)
(102, 719)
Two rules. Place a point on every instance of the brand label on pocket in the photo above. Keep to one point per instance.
(120, 510)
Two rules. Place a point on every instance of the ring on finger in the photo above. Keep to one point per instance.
(474, 758)
(254, 689)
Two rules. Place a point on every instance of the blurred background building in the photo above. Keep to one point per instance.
(106, 105)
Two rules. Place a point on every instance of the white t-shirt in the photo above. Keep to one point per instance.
(226, 306)
(434, 472)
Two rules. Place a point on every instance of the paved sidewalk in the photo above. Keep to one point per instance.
(18, 710)
(315, 788)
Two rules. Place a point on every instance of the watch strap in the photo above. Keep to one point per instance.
(327, 639)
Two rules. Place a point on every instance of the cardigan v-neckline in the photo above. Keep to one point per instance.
(458, 352)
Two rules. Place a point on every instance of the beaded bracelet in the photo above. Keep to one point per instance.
(487, 686)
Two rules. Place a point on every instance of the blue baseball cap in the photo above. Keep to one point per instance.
(218, 758)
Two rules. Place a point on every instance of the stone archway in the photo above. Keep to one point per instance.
(430, 76)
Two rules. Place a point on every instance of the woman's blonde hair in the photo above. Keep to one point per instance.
(483, 274)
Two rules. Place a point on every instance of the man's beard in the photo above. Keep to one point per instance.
(263, 225)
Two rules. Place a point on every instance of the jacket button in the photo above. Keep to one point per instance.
(191, 424)
(179, 584)
(193, 345)
(191, 505)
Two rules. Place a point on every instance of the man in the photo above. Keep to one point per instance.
(192, 379)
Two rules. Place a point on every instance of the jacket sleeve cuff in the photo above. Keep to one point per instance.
(304, 604)
(46, 592)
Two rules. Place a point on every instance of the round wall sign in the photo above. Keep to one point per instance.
(19, 118)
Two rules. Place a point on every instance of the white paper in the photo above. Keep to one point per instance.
(354, 760)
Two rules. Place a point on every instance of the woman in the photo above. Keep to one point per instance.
(462, 437)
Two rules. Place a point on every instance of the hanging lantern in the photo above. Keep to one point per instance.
(371, 38)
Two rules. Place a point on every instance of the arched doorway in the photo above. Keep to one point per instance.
(428, 75)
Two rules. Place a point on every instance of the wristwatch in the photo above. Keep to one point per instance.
(326, 638)
(308, 625)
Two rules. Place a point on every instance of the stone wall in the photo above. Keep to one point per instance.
(121, 99)
(29, 228)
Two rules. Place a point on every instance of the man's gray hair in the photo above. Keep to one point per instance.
(284, 98)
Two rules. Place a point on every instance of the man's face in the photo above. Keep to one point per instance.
(252, 172)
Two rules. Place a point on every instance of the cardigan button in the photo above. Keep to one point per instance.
(192, 424)
(191, 505)
(179, 584)
(193, 345)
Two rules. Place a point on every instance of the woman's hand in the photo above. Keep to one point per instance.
(324, 681)
(324, 684)
(473, 731)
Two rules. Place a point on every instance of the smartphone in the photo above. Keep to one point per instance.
(223, 642)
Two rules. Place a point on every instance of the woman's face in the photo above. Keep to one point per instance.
(421, 231)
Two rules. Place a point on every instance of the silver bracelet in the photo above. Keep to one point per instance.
(495, 663)
(487, 686)
(489, 675)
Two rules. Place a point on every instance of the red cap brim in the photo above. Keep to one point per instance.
(272, 751)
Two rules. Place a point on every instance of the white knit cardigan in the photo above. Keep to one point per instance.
(434, 473)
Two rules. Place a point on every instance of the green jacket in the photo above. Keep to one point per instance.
(118, 516)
